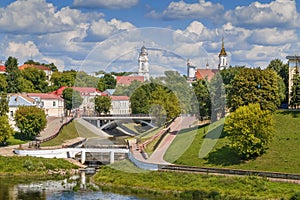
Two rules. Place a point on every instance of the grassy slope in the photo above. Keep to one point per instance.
(70, 131)
(184, 185)
(282, 156)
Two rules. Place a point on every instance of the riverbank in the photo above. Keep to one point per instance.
(33, 166)
(177, 185)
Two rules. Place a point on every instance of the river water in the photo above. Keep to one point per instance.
(74, 188)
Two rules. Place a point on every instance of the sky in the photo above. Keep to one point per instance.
(93, 35)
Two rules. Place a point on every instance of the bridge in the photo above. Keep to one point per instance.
(103, 154)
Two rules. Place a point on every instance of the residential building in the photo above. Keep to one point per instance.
(51, 103)
(2, 69)
(120, 105)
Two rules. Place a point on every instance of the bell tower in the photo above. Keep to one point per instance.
(222, 57)
(143, 69)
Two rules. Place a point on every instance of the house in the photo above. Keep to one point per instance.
(87, 93)
(2, 69)
(47, 70)
(120, 105)
(109, 92)
(127, 80)
(51, 103)
(207, 74)
(16, 100)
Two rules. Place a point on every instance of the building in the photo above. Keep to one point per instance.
(294, 63)
(194, 73)
(127, 80)
(2, 69)
(143, 68)
(47, 70)
(120, 105)
(52, 104)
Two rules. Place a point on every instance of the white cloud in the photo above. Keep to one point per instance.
(273, 36)
(112, 4)
(276, 13)
(183, 10)
(22, 51)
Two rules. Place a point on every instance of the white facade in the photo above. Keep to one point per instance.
(120, 105)
(143, 69)
(223, 64)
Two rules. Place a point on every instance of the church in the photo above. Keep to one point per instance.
(194, 73)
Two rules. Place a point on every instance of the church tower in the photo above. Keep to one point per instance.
(222, 57)
(143, 64)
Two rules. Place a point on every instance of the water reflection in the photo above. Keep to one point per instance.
(76, 187)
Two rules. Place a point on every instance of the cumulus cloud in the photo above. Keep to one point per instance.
(276, 13)
(22, 51)
(115, 4)
(183, 10)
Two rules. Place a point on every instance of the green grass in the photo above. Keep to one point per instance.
(282, 155)
(19, 165)
(69, 132)
(194, 186)
(14, 140)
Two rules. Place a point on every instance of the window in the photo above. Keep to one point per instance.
(54, 103)
(12, 113)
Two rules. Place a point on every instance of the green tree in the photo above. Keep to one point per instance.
(254, 86)
(3, 83)
(249, 130)
(65, 78)
(108, 81)
(13, 75)
(140, 100)
(295, 93)
(102, 104)
(72, 98)
(37, 77)
(30, 120)
(5, 129)
(283, 71)
(203, 97)
(3, 104)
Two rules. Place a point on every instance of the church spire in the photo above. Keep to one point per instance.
(223, 56)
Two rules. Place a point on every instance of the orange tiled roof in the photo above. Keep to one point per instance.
(205, 74)
(44, 95)
(126, 80)
(119, 98)
(2, 68)
(82, 90)
(41, 67)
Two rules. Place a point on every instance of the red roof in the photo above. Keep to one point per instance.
(44, 96)
(2, 68)
(41, 67)
(126, 80)
(83, 90)
(119, 98)
(205, 73)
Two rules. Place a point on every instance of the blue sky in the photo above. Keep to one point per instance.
(106, 35)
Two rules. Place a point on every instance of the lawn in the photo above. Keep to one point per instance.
(174, 185)
(69, 132)
(282, 155)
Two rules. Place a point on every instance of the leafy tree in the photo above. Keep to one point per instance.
(102, 104)
(140, 100)
(127, 90)
(254, 86)
(3, 104)
(37, 77)
(295, 93)
(13, 75)
(203, 97)
(108, 81)
(30, 120)
(72, 98)
(65, 78)
(249, 130)
(3, 83)
(27, 86)
(5, 129)
(85, 80)
(283, 71)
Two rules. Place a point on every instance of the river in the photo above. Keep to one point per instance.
(74, 188)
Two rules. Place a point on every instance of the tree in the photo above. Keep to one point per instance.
(108, 81)
(65, 78)
(13, 75)
(72, 98)
(3, 104)
(3, 83)
(102, 104)
(30, 120)
(254, 86)
(37, 77)
(203, 97)
(283, 71)
(249, 130)
(5, 129)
